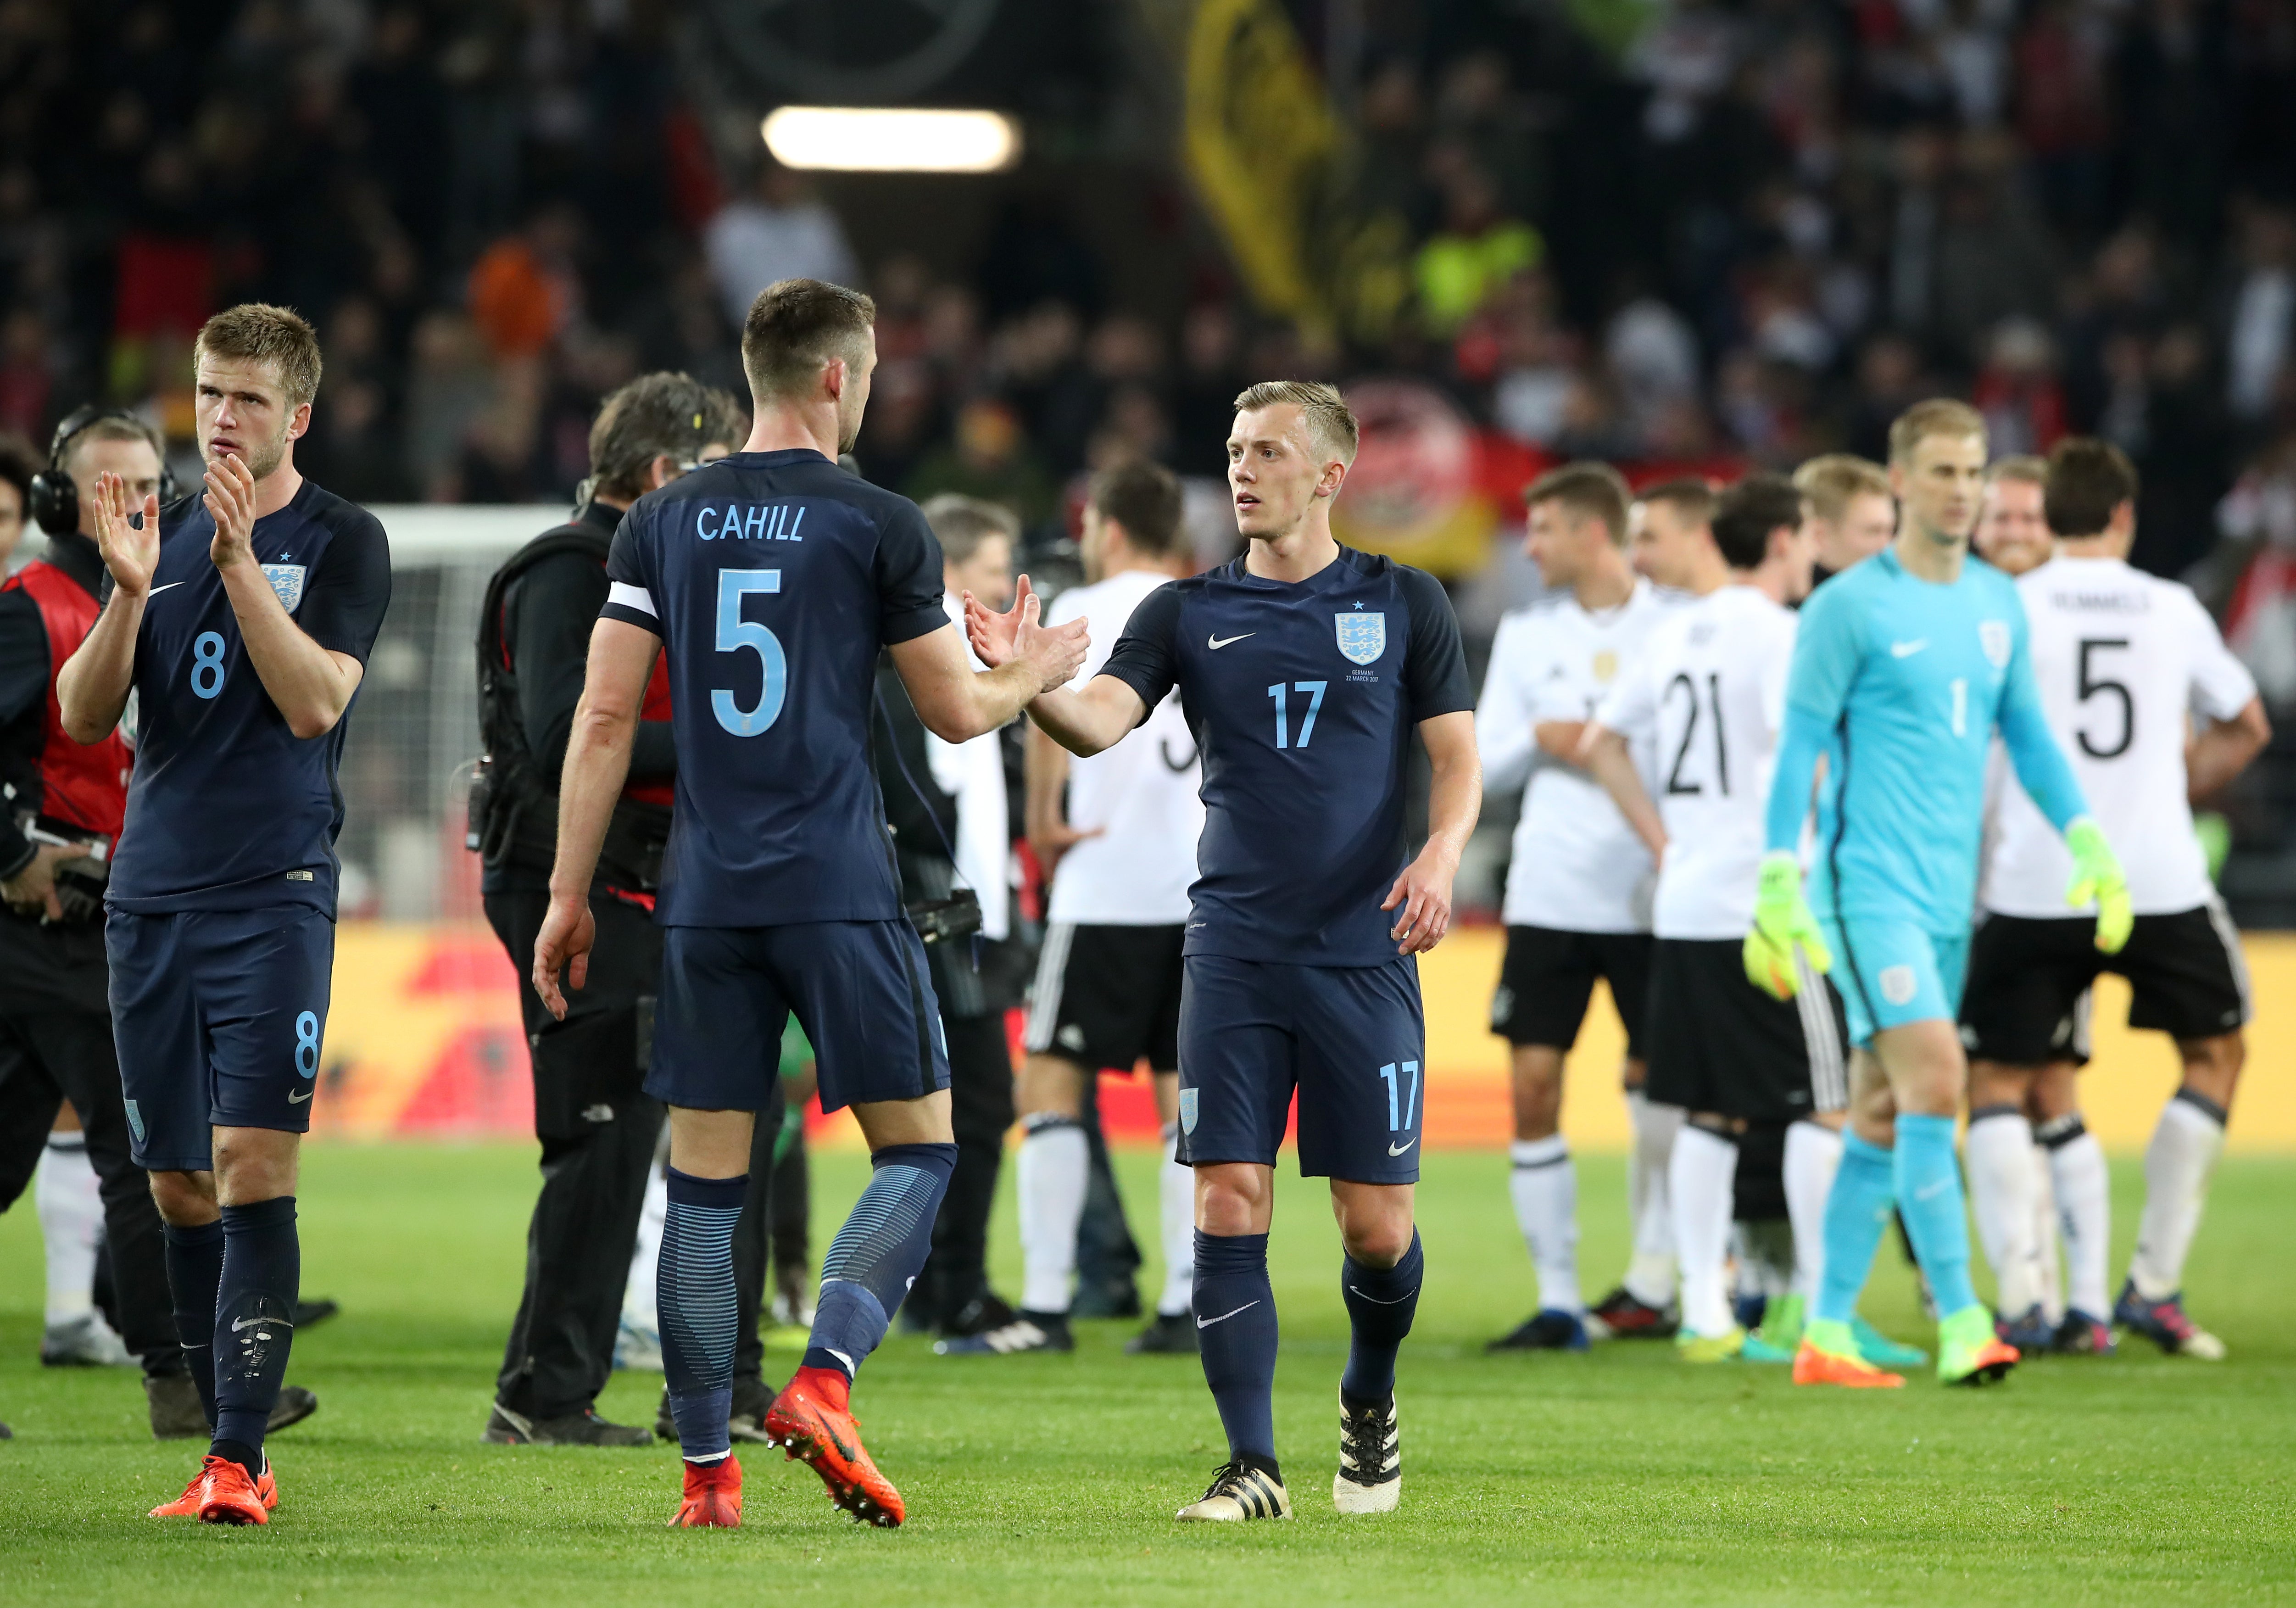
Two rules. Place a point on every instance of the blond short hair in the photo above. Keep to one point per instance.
(255, 332)
(1938, 416)
(2023, 468)
(1827, 482)
(1331, 423)
(962, 523)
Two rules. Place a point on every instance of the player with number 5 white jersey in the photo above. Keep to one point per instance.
(2128, 666)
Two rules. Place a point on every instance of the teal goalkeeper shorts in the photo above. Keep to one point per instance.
(1889, 972)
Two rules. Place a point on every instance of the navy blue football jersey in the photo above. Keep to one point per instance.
(1303, 697)
(227, 809)
(773, 580)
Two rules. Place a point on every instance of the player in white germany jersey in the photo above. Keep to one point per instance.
(2067, 1161)
(1847, 509)
(1709, 689)
(2123, 661)
(1121, 855)
(1577, 904)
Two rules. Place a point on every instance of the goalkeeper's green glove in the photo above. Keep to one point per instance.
(2097, 876)
(1782, 919)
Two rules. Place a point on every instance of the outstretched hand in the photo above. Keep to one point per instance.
(130, 549)
(1056, 653)
(567, 933)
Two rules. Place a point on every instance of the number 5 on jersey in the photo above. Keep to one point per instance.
(735, 634)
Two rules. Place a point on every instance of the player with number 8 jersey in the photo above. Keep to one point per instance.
(241, 621)
(1304, 669)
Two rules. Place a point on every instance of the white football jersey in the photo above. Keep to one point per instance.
(1708, 692)
(1142, 794)
(1577, 866)
(2121, 658)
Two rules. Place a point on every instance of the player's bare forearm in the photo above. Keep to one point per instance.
(597, 764)
(1559, 739)
(1085, 722)
(2218, 756)
(1421, 897)
(92, 688)
(1604, 754)
(310, 685)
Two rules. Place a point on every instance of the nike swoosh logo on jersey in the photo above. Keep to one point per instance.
(1216, 642)
(1906, 649)
(299, 1099)
(155, 591)
(1396, 1150)
(1206, 1323)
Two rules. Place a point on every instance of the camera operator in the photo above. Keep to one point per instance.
(596, 1125)
(65, 804)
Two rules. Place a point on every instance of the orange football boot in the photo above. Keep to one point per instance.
(1814, 1367)
(713, 1496)
(231, 1497)
(810, 1421)
(187, 1506)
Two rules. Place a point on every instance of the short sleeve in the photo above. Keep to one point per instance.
(349, 588)
(1435, 664)
(1145, 657)
(908, 575)
(1630, 707)
(1828, 648)
(1776, 666)
(629, 590)
(2222, 687)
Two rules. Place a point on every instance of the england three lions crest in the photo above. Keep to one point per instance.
(287, 581)
(1993, 636)
(1363, 637)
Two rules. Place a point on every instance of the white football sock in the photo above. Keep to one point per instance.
(1650, 1275)
(1700, 1179)
(2177, 1163)
(1053, 1165)
(1545, 1184)
(67, 1196)
(1813, 1154)
(2079, 1179)
(1175, 1196)
(640, 1307)
(1999, 1157)
(2047, 1273)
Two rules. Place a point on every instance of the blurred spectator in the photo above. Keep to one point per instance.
(988, 459)
(779, 231)
(25, 381)
(2017, 391)
(2182, 455)
(1993, 260)
(1477, 250)
(19, 463)
(525, 290)
(2260, 341)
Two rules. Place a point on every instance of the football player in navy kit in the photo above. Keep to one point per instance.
(240, 619)
(772, 578)
(1304, 668)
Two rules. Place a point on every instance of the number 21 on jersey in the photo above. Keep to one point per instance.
(737, 634)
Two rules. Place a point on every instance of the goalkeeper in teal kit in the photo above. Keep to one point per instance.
(1903, 668)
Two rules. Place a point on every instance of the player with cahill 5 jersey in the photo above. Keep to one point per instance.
(1304, 668)
(1903, 669)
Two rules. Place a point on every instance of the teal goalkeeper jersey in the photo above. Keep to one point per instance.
(1900, 683)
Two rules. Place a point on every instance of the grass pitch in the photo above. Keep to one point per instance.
(1617, 1476)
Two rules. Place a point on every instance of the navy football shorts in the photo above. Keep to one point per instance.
(1351, 1040)
(219, 1015)
(858, 988)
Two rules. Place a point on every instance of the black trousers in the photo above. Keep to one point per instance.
(981, 1109)
(598, 1129)
(49, 1057)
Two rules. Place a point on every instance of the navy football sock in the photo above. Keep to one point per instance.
(1235, 1330)
(1381, 1302)
(195, 1274)
(693, 1289)
(254, 1322)
(878, 1254)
